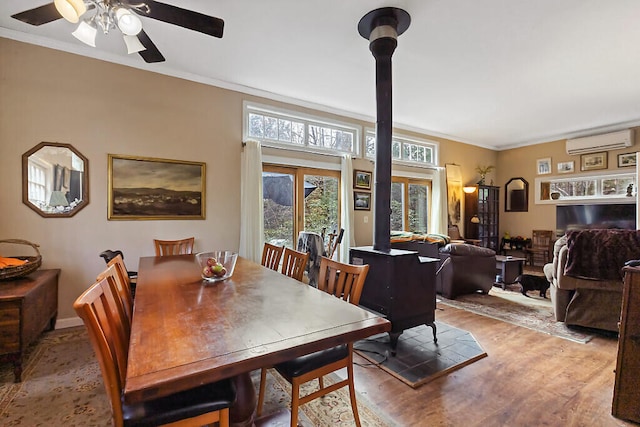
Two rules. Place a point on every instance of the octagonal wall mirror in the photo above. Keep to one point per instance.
(55, 180)
(516, 195)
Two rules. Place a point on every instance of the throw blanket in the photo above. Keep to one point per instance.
(407, 236)
(600, 254)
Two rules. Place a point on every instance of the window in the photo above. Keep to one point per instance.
(37, 184)
(410, 204)
(586, 187)
(404, 149)
(299, 199)
(282, 128)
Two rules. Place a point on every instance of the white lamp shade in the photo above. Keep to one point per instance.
(71, 10)
(86, 34)
(128, 23)
(133, 44)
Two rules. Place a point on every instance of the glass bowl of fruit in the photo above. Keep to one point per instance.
(217, 265)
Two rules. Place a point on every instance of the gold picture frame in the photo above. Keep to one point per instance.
(593, 161)
(147, 188)
(362, 180)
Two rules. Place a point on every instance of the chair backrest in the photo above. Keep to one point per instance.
(121, 285)
(174, 247)
(541, 239)
(108, 255)
(454, 232)
(271, 255)
(98, 309)
(294, 263)
(342, 280)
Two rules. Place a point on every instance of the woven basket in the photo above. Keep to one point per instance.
(32, 264)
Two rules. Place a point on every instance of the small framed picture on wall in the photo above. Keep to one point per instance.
(627, 159)
(361, 201)
(593, 161)
(362, 180)
(543, 166)
(566, 167)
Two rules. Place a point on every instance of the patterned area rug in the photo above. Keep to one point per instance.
(62, 386)
(533, 312)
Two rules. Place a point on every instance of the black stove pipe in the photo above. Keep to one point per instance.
(382, 27)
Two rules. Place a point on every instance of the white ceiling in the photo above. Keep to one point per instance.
(494, 73)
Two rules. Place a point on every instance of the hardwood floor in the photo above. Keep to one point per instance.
(528, 379)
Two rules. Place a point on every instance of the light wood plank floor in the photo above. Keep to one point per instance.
(528, 379)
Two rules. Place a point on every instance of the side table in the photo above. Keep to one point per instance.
(28, 306)
(509, 268)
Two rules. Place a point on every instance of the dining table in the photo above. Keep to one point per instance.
(187, 331)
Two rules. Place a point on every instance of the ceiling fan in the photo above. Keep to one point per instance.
(121, 14)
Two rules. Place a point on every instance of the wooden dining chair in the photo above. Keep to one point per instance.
(115, 278)
(271, 255)
(118, 262)
(108, 255)
(541, 247)
(344, 281)
(174, 247)
(294, 263)
(206, 404)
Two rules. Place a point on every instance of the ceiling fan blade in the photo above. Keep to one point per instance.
(182, 17)
(151, 54)
(39, 15)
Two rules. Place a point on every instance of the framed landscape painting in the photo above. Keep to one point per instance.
(626, 159)
(594, 161)
(361, 201)
(362, 180)
(149, 188)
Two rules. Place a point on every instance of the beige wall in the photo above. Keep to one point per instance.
(521, 162)
(102, 108)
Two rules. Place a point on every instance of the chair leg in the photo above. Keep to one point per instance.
(321, 382)
(224, 418)
(295, 401)
(263, 382)
(352, 394)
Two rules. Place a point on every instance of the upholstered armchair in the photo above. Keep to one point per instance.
(585, 276)
(465, 269)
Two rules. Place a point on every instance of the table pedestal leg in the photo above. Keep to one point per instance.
(243, 412)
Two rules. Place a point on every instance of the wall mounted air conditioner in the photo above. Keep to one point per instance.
(602, 142)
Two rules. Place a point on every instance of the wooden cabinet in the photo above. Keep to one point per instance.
(483, 204)
(626, 392)
(28, 306)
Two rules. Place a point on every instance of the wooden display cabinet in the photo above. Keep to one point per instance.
(483, 204)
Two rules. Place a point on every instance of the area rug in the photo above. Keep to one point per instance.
(418, 359)
(511, 306)
(62, 386)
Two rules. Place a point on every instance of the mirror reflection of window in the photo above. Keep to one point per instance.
(54, 179)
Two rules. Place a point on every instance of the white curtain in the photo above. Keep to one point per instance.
(251, 210)
(439, 202)
(346, 202)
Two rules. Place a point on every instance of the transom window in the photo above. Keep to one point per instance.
(405, 150)
(285, 128)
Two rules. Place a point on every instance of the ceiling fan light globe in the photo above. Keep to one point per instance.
(128, 23)
(133, 44)
(71, 10)
(86, 33)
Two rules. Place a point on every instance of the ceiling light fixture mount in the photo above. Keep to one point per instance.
(107, 15)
